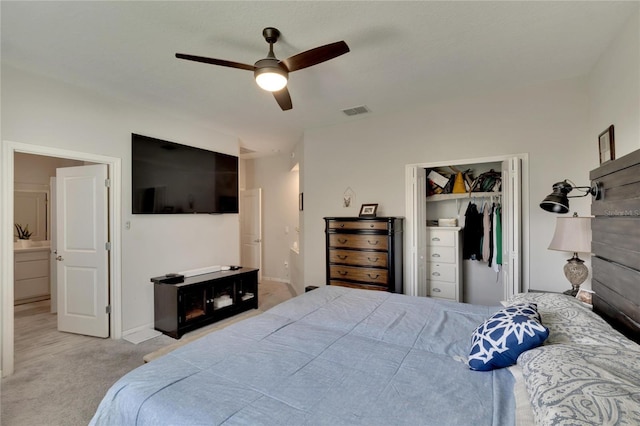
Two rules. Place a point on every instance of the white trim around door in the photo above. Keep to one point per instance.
(6, 239)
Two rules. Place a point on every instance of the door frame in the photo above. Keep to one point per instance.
(243, 214)
(412, 247)
(114, 165)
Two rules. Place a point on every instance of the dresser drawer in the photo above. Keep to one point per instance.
(373, 242)
(364, 258)
(356, 285)
(441, 289)
(442, 254)
(442, 272)
(436, 237)
(366, 275)
(361, 225)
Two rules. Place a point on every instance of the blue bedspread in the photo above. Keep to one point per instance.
(333, 356)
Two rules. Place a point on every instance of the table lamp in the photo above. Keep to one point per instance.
(573, 234)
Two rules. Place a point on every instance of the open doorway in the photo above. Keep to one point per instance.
(9, 151)
(468, 281)
(33, 210)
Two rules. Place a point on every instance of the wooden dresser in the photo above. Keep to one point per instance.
(365, 252)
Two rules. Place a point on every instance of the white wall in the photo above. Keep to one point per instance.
(614, 90)
(279, 211)
(548, 121)
(557, 124)
(36, 110)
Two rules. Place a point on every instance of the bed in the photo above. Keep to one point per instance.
(341, 356)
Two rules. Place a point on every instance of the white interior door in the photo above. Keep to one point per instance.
(82, 255)
(512, 198)
(416, 274)
(251, 229)
(53, 263)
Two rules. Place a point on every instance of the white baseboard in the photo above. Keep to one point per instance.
(141, 336)
(138, 329)
(278, 280)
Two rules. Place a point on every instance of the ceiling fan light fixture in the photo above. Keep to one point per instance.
(271, 79)
(272, 74)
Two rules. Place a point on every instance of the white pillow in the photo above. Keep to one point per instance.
(570, 321)
(586, 385)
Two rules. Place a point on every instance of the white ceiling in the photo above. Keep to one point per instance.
(402, 53)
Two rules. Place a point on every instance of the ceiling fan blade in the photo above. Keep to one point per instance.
(213, 61)
(283, 98)
(315, 56)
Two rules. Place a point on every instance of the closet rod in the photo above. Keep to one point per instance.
(472, 199)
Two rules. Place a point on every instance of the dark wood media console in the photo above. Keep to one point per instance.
(203, 299)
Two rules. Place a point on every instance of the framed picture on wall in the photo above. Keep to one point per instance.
(368, 210)
(606, 145)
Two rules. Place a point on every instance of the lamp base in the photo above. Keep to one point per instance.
(576, 272)
(572, 292)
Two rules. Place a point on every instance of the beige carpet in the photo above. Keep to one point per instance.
(60, 378)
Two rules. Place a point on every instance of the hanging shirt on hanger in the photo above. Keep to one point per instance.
(497, 236)
(491, 247)
(486, 226)
(472, 236)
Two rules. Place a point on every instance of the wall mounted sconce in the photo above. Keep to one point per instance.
(558, 200)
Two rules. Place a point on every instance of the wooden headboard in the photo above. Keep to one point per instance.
(616, 244)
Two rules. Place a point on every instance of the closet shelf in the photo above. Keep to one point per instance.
(443, 197)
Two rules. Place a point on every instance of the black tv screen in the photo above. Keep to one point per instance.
(170, 178)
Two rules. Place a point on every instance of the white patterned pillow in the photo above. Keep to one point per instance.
(570, 321)
(499, 341)
(586, 385)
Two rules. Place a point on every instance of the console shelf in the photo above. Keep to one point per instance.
(203, 299)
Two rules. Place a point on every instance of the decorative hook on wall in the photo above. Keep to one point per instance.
(348, 198)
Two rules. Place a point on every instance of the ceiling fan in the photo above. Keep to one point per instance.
(272, 74)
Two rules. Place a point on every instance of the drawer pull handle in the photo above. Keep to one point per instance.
(343, 273)
(435, 274)
(436, 290)
(371, 225)
(342, 257)
(342, 225)
(435, 255)
(373, 278)
(372, 260)
(435, 239)
(342, 241)
(375, 243)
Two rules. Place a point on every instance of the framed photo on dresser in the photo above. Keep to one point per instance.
(368, 210)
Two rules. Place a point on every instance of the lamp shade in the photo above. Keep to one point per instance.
(572, 234)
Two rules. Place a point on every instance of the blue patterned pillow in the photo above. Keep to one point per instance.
(502, 338)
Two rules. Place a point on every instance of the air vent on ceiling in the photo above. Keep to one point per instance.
(356, 110)
(244, 150)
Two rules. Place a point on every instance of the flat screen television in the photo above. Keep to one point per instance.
(170, 178)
